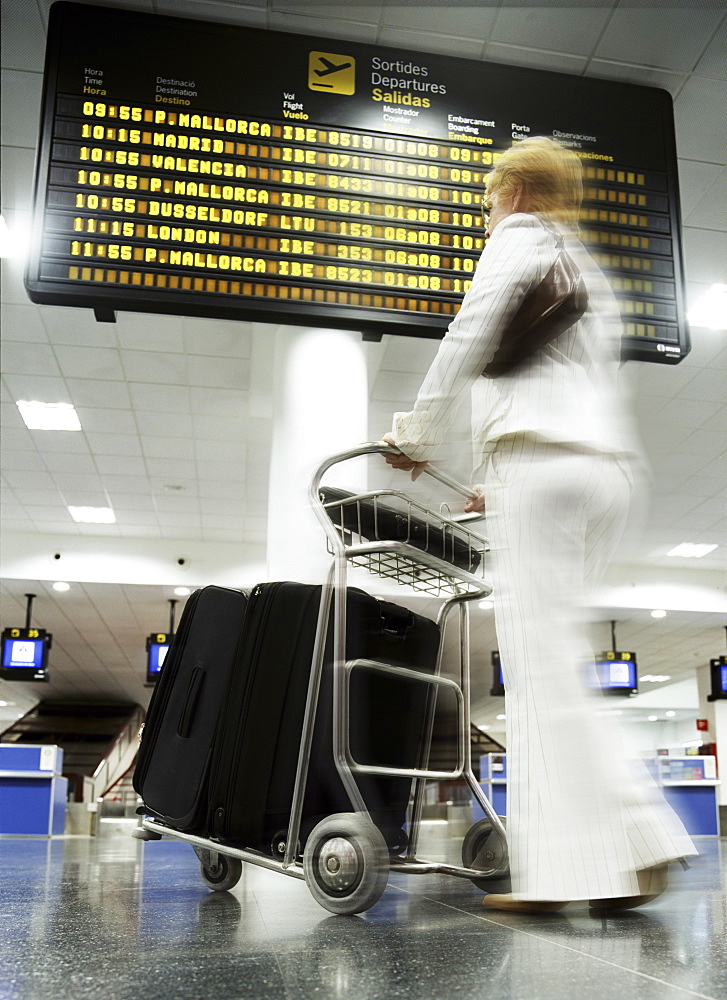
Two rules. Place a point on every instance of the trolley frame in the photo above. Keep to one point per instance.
(402, 561)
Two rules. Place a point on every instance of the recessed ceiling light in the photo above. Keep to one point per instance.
(689, 550)
(93, 515)
(670, 715)
(59, 585)
(486, 605)
(658, 614)
(655, 678)
(48, 416)
(711, 309)
(182, 591)
(653, 718)
(501, 717)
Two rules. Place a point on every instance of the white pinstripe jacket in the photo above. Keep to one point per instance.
(566, 394)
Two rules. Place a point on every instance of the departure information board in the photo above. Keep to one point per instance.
(213, 170)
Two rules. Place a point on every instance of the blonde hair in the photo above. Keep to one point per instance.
(548, 175)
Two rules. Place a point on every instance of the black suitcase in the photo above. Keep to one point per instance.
(377, 520)
(255, 762)
(172, 768)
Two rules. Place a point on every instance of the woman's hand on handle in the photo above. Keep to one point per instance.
(476, 503)
(403, 462)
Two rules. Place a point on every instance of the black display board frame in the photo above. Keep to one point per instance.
(631, 212)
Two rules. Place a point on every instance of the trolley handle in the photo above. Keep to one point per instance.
(430, 470)
(382, 448)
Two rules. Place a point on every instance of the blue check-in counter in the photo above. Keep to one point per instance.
(691, 788)
(33, 791)
(493, 781)
(689, 784)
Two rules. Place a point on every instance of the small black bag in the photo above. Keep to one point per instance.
(556, 304)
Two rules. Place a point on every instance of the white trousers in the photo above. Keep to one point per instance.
(583, 813)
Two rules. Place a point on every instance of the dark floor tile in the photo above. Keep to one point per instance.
(111, 918)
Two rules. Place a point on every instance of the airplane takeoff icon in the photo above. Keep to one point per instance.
(332, 71)
(330, 67)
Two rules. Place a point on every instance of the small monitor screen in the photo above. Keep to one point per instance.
(616, 675)
(157, 654)
(724, 678)
(19, 654)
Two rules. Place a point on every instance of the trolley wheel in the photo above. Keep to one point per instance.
(483, 848)
(346, 863)
(220, 872)
(279, 843)
(398, 844)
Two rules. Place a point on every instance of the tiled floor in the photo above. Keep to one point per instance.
(115, 919)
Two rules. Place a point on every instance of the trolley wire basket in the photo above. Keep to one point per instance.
(391, 535)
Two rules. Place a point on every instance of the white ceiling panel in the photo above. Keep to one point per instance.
(23, 323)
(697, 109)
(518, 55)
(461, 19)
(705, 252)
(444, 44)
(16, 177)
(20, 104)
(97, 393)
(666, 37)
(252, 13)
(153, 366)
(159, 398)
(536, 28)
(76, 327)
(114, 444)
(94, 420)
(322, 26)
(644, 76)
(695, 180)
(89, 362)
(711, 211)
(28, 359)
(713, 61)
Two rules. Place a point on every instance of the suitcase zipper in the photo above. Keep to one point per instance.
(257, 595)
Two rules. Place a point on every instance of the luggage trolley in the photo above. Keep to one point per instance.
(346, 861)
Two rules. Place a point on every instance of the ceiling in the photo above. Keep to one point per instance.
(176, 416)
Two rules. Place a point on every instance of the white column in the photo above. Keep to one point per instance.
(320, 406)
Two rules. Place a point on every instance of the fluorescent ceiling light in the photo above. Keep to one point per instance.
(711, 310)
(93, 515)
(655, 678)
(653, 718)
(501, 717)
(658, 614)
(689, 550)
(48, 416)
(485, 605)
(12, 244)
(61, 586)
(182, 591)
(670, 715)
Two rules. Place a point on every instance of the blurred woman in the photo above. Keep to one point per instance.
(552, 440)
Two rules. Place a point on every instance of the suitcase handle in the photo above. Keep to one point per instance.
(394, 623)
(190, 707)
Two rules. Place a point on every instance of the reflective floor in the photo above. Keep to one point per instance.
(115, 919)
